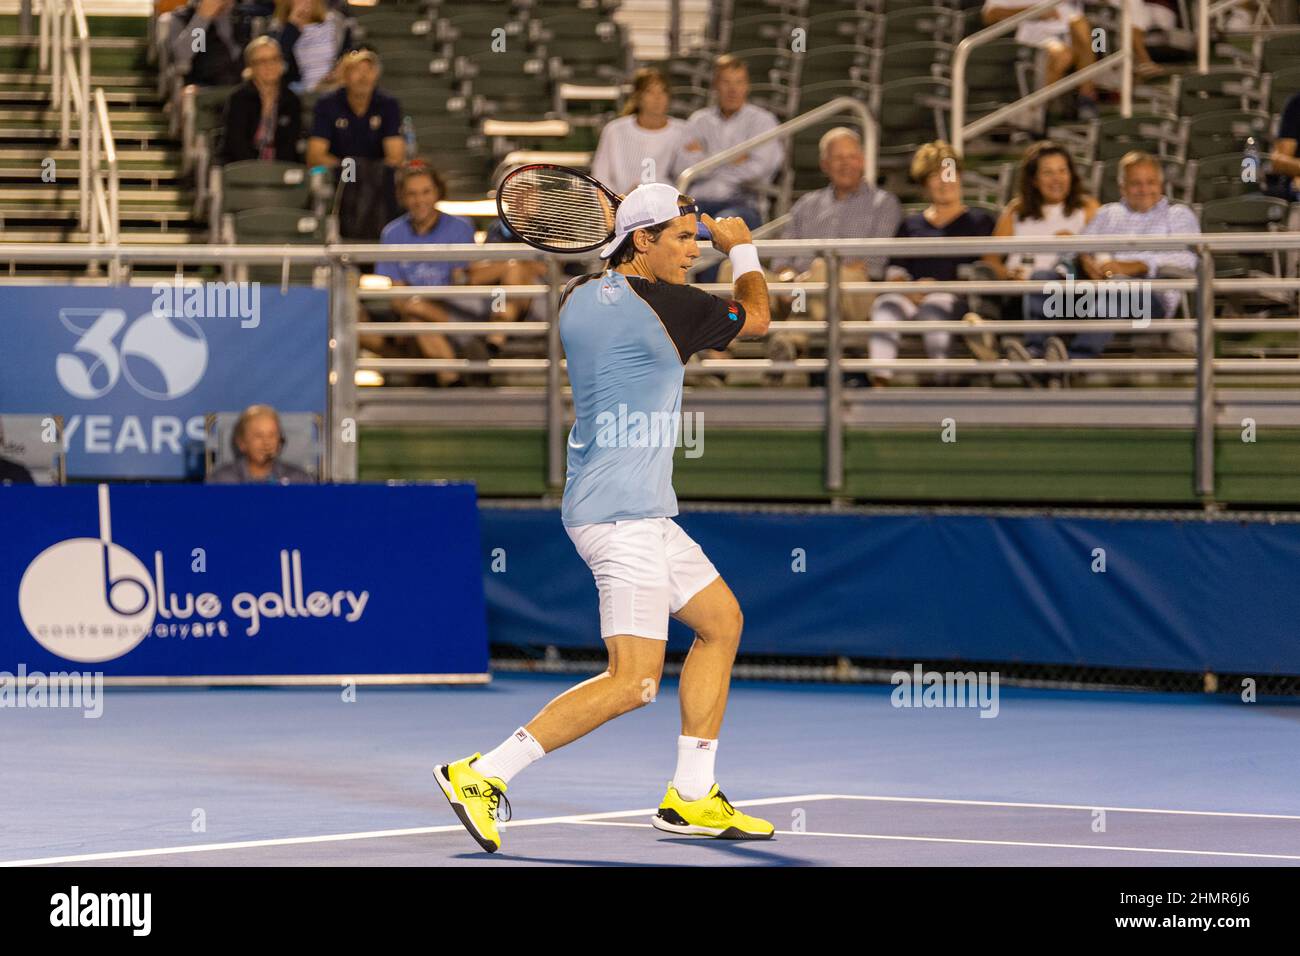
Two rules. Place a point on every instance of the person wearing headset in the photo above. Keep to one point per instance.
(257, 442)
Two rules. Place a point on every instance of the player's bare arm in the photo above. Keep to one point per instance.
(750, 289)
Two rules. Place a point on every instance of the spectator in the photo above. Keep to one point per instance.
(257, 441)
(357, 129)
(207, 49)
(313, 38)
(422, 188)
(13, 472)
(1142, 17)
(728, 190)
(1284, 165)
(1063, 33)
(508, 272)
(263, 116)
(1143, 210)
(937, 167)
(848, 207)
(640, 146)
(1050, 201)
(359, 120)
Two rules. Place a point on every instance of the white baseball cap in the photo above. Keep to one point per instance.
(647, 205)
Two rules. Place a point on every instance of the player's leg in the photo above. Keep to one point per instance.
(693, 803)
(631, 681)
(714, 615)
(630, 568)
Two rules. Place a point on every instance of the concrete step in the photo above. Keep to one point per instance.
(133, 79)
(127, 136)
(100, 26)
(13, 96)
(66, 192)
(10, 116)
(130, 174)
(68, 214)
(170, 157)
(145, 237)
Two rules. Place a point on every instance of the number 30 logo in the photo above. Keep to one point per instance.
(162, 357)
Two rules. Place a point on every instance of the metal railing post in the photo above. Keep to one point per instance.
(1126, 62)
(555, 438)
(834, 432)
(1202, 36)
(341, 413)
(62, 44)
(1205, 405)
(83, 178)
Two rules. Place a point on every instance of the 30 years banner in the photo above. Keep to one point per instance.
(133, 371)
(289, 583)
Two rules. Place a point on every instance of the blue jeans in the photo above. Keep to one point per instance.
(1082, 344)
(722, 209)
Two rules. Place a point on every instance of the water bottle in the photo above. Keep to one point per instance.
(408, 136)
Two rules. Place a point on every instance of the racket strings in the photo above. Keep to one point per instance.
(558, 209)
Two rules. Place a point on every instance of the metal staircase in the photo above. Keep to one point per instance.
(40, 190)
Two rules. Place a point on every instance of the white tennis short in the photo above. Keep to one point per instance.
(645, 570)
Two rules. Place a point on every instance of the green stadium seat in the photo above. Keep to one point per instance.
(917, 24)
(764, 29)
(1221, 177)
(902, 61)
(1155, 133)
(1281, 52)
(275, 226)
(909, 114)
(1218, 90)
(258, 184)
(1212, 134)
(840, 61)
(859, 28)
(1246, 214)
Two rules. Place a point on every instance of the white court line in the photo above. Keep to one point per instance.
(926, 839)
(1062, 806)
(586, 817)
(362, 835)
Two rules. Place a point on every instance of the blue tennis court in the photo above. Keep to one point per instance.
(301, 777)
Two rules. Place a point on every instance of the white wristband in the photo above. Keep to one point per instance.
(744, 258)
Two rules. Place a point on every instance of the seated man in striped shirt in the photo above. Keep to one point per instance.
(1142, 211)
(848, 207)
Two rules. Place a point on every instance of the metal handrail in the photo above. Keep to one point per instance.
(103, 138)
(870, 139)
(962, 130)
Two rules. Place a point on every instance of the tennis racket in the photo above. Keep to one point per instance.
(557, 209)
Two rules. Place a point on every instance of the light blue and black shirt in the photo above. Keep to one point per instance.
(627, 341)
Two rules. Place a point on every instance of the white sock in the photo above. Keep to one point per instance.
(515, 753)
(694, 776)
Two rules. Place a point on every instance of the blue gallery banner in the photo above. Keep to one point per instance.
(346, 582)
(1173, 595)
(133, 371)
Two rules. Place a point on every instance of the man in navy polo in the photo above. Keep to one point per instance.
(357, 121)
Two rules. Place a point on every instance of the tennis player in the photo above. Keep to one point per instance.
(628, 333)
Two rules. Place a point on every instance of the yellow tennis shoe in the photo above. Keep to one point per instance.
(479, 801)
(712, 815)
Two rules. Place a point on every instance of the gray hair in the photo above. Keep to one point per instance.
(831, 135)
